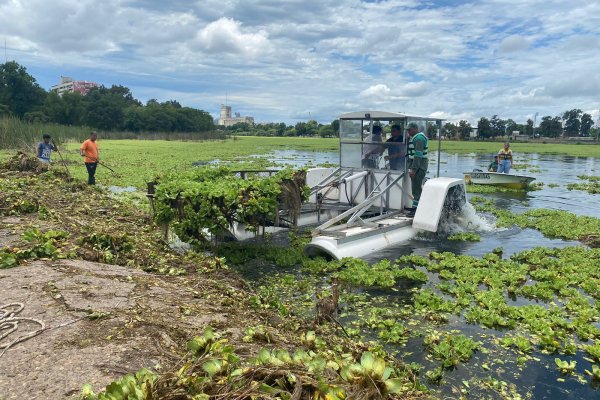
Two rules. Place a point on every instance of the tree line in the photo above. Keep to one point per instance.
(115, 109)
(310, 128)
(572, 123)
(108, 109)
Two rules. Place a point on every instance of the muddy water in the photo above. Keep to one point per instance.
(539, 379)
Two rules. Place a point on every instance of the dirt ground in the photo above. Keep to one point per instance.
(101, 321)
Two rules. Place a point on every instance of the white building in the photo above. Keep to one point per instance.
(226, 119)
(67, 84)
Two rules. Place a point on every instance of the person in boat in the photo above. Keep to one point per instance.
(372, 148)
(493, 167)
(505, 158)
(418, 146)
(396, 149)
(45, 149)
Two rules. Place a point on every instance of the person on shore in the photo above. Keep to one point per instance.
(45, 149)
(493, 167)
(418, 147)
(505, 158)
(89, 150)
(396, 149)
(372, 148)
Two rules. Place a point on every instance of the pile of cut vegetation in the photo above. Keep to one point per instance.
(24, 163)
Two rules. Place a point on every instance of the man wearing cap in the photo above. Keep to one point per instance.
(45, 149)
(418, 146)
(372, 148)
(89, 150)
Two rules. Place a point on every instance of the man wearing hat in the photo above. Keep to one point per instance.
(418, 145)
(45, 149)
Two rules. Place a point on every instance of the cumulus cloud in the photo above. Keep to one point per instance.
(574, 86)
(415, 89)
(512, 58)
(513, 44)
(225, 36)
(379, 91)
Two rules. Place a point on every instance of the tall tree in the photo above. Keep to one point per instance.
(450, 130)
(572, 124)
(586, 124)
(19, 91)
(300, 128)
(464, 127)
(335, 124)
(529, 128)
(484, 128)
(550, 127)
(498, 126)
(512, 126)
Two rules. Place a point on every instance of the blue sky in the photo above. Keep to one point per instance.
(299, 59)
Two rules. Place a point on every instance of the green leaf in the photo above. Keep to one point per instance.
(269, 389)
(366, 360)
(264, 356)
(212, 367)
(378, 367)
(394, 386)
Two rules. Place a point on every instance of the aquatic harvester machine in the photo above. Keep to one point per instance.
(364, 199)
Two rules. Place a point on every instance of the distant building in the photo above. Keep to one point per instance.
(67, 84)
(226, 119)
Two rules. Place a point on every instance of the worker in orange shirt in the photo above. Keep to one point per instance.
(89, 150)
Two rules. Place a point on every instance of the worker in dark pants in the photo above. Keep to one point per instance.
(89, 150)
(418, 147)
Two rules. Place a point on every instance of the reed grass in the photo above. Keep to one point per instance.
(17, 134)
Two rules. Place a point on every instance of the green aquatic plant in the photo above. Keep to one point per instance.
(412, 274)
(595, 372)
(36, 244)
(565, 367)
(211, 200)
(359, 272)
(465, 237)
(451, 349)
(591, 186)
(397, 334)
(519, 342)
(593, 351)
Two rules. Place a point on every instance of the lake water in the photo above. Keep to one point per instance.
(539, 379)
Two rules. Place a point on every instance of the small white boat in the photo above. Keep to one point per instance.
(497, 179)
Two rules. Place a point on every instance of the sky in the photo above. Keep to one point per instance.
(295, 60)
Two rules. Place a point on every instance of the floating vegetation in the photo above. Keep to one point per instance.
(465, 237)
(450, 349)
(591, 186)
(475, 188)
(552, 223)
